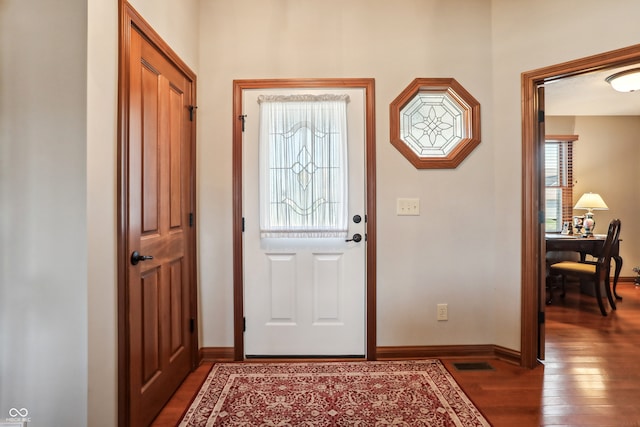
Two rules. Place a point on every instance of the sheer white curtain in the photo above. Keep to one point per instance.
(303, 166)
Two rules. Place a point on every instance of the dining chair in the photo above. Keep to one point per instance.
(554, 282)
(593, 272)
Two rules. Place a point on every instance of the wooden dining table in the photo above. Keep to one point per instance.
(586, 246)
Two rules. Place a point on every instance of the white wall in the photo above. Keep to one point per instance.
(43, 245)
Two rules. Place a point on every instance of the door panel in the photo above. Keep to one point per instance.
(150, 324)
(282, 281)
(159, 200)
(304, 296)
(327, 284)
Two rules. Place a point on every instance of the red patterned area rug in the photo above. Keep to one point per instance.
(403, 393)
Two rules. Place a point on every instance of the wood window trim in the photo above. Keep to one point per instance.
(561, 138)
(470, 118)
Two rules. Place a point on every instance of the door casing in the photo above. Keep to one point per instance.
(370, 170)
(532, 199)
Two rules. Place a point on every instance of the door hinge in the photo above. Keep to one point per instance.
(191, 219)
(540, 116)
(244, 324)
(192, 325)
(541, 317)
(242, 117)
(243, 224)
(192, 109)
(540, 217)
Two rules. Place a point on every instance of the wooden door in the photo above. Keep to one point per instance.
(542, 253)
(158, 197)
(305, 296)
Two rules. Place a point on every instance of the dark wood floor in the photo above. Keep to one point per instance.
(590, 376)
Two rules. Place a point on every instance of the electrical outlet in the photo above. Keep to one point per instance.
(408, 207)
(443, 312)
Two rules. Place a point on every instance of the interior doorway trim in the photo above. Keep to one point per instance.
(532, 201)
(367, 85)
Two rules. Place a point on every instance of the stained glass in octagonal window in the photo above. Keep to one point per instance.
(432, 123)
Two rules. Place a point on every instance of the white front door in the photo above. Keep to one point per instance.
(304, 296)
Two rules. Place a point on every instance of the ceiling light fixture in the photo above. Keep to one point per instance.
(625, 81)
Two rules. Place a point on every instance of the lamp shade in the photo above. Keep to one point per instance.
(625, 81)
(591, 201)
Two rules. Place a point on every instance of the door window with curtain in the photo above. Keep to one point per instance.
(558, 175)
(303, 166)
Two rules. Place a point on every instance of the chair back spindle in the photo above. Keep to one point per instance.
(613, 234)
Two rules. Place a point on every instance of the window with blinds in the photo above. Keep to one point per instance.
(558, 176)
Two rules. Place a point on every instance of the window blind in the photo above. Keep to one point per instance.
(558, 160)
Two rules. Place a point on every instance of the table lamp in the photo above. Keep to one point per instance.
(590, 202)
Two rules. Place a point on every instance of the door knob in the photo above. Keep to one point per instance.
(356, 238)
(136, 258)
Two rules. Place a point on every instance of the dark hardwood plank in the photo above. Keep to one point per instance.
(589, 378)
(173, 411)
(590, 375)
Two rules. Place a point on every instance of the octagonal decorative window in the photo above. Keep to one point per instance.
(435, 123)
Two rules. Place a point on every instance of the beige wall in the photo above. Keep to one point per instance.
(102, 75)
(465, 247)
(419, 258)
(606, 162)
(560, 125)
(527, 35)
(43, 208)
(177, 22)
(58, 190)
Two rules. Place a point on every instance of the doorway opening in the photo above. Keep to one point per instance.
(239, 117)
(533, 243)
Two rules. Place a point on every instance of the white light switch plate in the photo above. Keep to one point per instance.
(408, 207)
